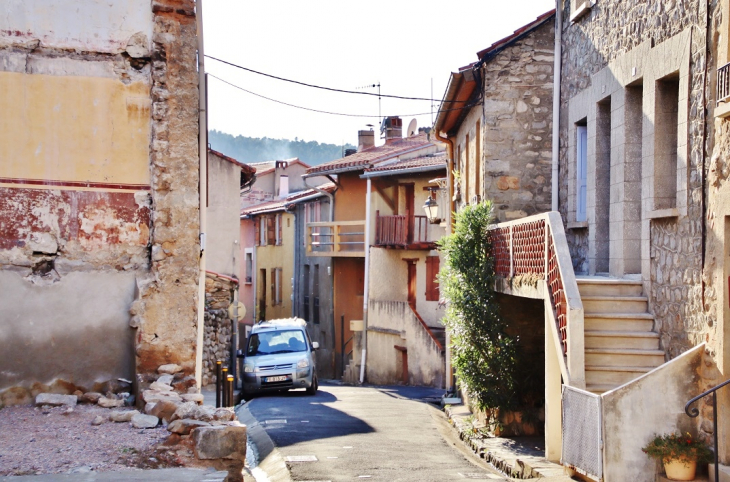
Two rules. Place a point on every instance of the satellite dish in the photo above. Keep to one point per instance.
(412, 129)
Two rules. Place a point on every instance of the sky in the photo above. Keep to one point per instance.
(408, 47)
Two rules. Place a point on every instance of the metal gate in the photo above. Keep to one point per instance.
(582, 434)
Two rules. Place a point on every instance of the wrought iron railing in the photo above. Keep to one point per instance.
(694, 412)
(723, 83)
(537, 246)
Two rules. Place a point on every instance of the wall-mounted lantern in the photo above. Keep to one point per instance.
(431, 206)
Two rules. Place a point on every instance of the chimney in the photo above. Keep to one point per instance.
(365, 139)
(392, 128)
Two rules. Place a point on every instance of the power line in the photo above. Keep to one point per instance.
(333, 113)
(319, 86)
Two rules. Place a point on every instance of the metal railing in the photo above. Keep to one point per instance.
(343, 238)
(694, 412)
(536, 246)
(723, 83)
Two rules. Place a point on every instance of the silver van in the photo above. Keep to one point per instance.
(278, 356)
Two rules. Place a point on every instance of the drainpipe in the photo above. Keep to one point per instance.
(556, 101)
(202, 157)
(366, 290)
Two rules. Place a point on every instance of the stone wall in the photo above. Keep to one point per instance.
(681, 296)
(218, 327)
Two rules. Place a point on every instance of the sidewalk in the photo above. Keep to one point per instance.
(519, 457)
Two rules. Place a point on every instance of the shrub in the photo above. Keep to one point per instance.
(677, 446)
(483, 355)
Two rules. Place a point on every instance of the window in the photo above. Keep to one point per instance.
(432, 284)
(278, 229)
(578, 8)
(249, 266)
(581, 176)
(270, 231)
(665, 142)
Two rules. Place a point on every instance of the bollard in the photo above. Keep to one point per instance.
(224, 380)
(230, 391)
(218, 383)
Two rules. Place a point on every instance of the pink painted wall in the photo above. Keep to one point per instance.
(245, 290)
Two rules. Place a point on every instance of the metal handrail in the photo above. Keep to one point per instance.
(694, 412)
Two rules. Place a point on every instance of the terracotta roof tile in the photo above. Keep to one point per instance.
(499, 44)
(438, 160)
(282, 204)
(372, 155)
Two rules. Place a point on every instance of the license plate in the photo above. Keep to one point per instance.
(281, 378)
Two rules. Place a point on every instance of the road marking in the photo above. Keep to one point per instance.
(305, 421)
(364, 476)
(347, 447)
(332, 457)
(275, 421)
(481, 476)
(301, 458)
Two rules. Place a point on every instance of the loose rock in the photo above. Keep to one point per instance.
(145, 421)
(90, 397)
(193, 397)
(221, 442)
(55, 399)
(164, 410)
(98, 420)
(185, 426)
(163, 387)
(122, 415)
(110, 403)
(170, 369)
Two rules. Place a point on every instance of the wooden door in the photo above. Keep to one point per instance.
(409, 212)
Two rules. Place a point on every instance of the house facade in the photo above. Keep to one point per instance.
(99, 258)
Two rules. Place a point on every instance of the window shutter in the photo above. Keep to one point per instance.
(432, 284)
(278, 222)
(257, 231)
(273, 286)
(270, 231)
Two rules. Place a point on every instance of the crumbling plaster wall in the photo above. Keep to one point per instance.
(98, 189)
(681, 294)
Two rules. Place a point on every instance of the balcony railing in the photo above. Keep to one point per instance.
(396, 230)
(336, 239)
(723, 83)
(536, 246)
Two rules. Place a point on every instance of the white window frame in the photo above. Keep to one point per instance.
(581, 174)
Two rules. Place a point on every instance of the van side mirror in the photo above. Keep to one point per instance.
(315, 346)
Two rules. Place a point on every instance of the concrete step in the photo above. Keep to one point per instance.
(643, 340)
(615, 304)
(600, 286)
(618, 322)
(615, 357)
(612, 375)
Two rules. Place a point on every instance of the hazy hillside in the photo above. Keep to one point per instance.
(254, 149)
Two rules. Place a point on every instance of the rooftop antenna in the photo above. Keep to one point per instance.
(372, 86)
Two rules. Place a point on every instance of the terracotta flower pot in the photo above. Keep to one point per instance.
(680, 469)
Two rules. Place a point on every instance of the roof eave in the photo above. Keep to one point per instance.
(407, 170)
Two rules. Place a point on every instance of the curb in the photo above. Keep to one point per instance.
(513, 459)
(271, 466)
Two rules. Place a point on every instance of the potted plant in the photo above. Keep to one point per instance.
(680, 454)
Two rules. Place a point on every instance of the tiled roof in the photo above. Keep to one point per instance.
(436, 161)
(372, 155)
(499, 44)
(247, 168)
(283, 204)
(266, 167)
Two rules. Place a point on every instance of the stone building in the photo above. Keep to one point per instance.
(99, 198)
(496, 116)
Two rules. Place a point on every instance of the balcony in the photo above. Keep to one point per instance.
(336, 239)
(722, 107)
(402, 231)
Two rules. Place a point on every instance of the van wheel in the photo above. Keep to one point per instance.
(313, 389)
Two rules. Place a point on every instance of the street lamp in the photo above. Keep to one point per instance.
(432, 207)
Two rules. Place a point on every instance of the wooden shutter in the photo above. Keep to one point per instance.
(278, 222)
(257, 231)
(273, 286)
(432, 284)
(270, 231)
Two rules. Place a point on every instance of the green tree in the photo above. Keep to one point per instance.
(483, 355)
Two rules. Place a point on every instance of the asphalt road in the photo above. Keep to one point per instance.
(366, 433)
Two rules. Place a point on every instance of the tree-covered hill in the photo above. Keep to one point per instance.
(255, 149)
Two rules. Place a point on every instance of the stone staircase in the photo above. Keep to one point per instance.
(620, 345)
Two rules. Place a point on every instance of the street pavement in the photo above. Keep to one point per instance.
(364, 433)
(157, 475)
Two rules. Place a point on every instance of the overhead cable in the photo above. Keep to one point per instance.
(332, 113)
(319, 86)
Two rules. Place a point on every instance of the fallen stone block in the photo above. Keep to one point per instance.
(145, 421)
(162, 387)
(15, 396)
(185, 410)
(164, 410)
(122, 415)
(166, 379)
(224, 414)
(170, 369)
(157, 395)
(149, 406)
(110, 402)
(56, 400)
(221, 442)
(185, 426)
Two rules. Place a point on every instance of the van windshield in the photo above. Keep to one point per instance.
(273, 342)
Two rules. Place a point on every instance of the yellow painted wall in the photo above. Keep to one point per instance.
(74, 129)
(268, 257)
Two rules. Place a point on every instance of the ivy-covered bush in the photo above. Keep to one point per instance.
(483, 355)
